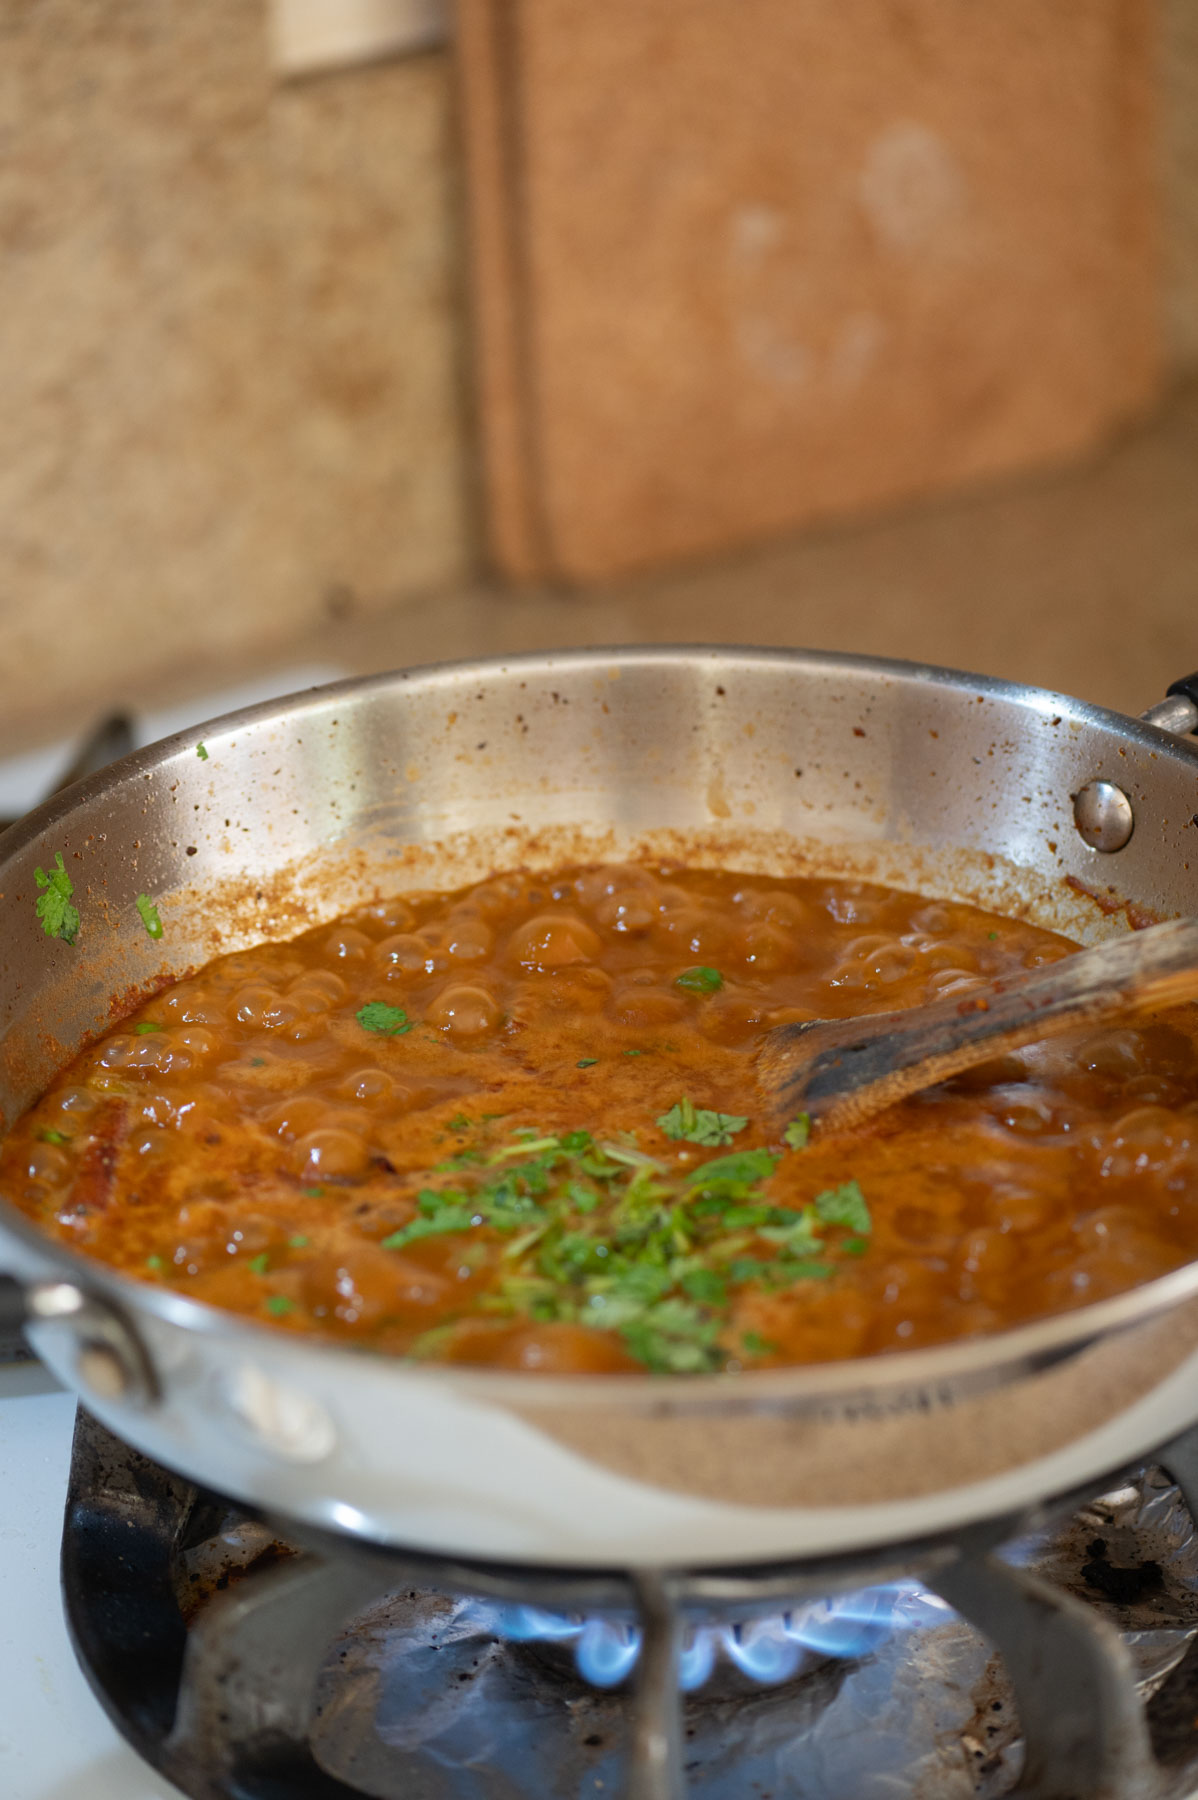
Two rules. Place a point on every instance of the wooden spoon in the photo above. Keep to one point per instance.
(842, 1071)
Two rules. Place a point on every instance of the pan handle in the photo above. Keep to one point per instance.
(107, 1359)
(1178, 713)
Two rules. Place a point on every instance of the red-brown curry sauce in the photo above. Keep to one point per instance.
(436, 1128)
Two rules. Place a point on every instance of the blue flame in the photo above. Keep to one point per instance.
(767, 1650)
(606, 1652)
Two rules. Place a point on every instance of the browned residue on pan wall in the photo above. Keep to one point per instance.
(919, 1443)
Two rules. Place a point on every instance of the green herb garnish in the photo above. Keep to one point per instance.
(299, 1241)
(845, 1206)
(747, 1166)
(155, 1263)
(392, 1021)
(59, 918)
(201, 752)
(278, 1304)
(575, 1229)
(753, 1344)
(700, 980)
(313, 1193)
(50, 1136)
(259, 1264)
(149, 916)
(797, 1132)
(586, 1062)
(697, 1125)
(144, 1025)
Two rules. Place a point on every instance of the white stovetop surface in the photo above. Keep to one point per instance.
(56, 1742)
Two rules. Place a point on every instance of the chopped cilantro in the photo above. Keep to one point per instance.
(50, 1136)
(436, 1217)
(784, 1271)
(144, 1025)
(634, 1052)
(674, 1338)
(257, 1062)
(278, 1304)
(699, 1126)
(562, 1228)
(745, 1166)
(845, 1206)
(299, 1241)
(700, 980)
(155, 1263)
(797, 1132)
(992, 935)
(753, 1344)
(149, 916)
(586, 1062)
(313, 1193)
(705, 1286)
(59, 918)
(259, 1263)
(202, 752)
(392, 1021)
(459, 1123)
(855, 1246)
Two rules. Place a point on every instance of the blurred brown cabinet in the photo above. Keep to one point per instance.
(743, 264)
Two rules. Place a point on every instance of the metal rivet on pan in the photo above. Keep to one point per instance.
(102, 1372)
(1103, 815)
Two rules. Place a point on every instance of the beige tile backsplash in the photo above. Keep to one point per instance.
(230, 344)
(233, 354)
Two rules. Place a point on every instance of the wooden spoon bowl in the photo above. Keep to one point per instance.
(843, 1071)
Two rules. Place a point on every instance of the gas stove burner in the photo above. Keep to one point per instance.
(249, 1663)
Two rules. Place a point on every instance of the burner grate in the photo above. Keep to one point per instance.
(243, 1665)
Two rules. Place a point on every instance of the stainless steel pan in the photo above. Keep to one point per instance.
(763, 760)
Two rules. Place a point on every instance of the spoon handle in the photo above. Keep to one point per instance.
(843, 1071)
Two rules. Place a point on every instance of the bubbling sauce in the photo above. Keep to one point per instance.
(519, 1124)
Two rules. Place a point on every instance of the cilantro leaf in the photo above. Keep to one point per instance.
(697, 1125)
(201, 752)
(50, 1136)
(391, 1021)
(797, 1132)
(845, 1205)
(674, 1338)
(700, 980)
(705, 1286)
(149, 916)
(586, 1062)
(753, 1344)
(436, 1219)
(259, 1264)
(742, 1169)
(279, 1304)
(59, 918)
(144, 1025)
(784, 1271)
